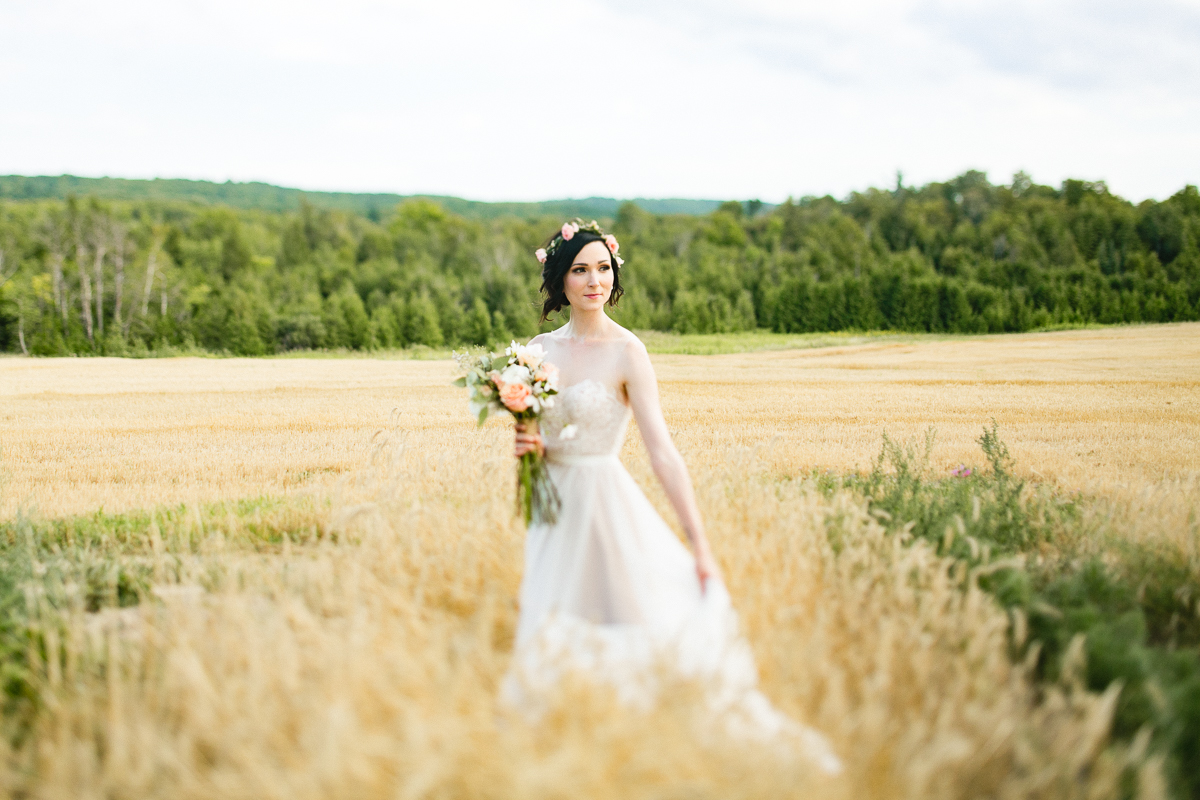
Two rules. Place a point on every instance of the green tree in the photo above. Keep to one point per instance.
(424, 327)
(960, 255)
(479, 323)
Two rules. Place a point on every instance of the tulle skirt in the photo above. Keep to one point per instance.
(609, 591)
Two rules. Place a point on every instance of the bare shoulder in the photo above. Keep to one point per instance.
(633, 350)
(625, 339)
(641, 384)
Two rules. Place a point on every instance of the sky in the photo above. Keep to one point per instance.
(534, 100)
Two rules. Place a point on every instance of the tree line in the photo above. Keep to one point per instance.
(87, 276)
(266, 197)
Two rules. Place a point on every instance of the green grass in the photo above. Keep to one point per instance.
(658, 342)
(707, 344)
(664, 343)
(1061, 576)
(53, 567)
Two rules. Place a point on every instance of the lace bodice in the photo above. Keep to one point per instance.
(597, 414)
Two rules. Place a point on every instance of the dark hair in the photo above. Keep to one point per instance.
(554, 272)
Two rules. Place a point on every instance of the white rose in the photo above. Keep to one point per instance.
(531, 356)
(515, 373)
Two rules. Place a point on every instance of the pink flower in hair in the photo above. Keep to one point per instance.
(540, 254)
(611, 241)
(568, 231)
(620, 261)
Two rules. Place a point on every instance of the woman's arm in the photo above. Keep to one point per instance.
(642, 387)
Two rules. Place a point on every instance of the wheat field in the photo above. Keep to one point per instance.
(357, 653)
(1100, 410)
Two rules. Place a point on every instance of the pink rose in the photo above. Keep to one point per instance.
(611, 241)
(567, 232)
(516, 396)
(546, 372)
(540, 255)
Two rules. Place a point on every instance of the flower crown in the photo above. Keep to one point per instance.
(569, 229)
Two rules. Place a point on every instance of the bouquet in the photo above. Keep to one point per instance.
(524, 384)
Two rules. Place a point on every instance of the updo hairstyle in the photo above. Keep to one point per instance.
(554, 271)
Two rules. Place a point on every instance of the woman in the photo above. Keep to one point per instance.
(608, 587)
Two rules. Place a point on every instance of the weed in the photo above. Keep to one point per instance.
(1136, 604)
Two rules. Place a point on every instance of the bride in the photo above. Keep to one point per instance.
(607, 587)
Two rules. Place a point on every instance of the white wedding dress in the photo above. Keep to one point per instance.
(609, 590)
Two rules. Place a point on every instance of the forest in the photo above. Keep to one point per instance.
(91, 276)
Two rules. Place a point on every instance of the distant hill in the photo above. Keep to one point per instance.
(266, 197)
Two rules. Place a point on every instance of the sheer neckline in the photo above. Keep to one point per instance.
(612, 334)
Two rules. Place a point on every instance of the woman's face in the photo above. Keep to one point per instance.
(589, 281)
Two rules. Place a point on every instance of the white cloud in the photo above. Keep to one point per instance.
(1098, 45)
(530, 100)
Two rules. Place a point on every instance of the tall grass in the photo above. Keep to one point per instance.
(1074, 574)
(355, 650)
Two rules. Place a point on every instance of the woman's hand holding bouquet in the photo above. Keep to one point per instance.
(524, 384)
